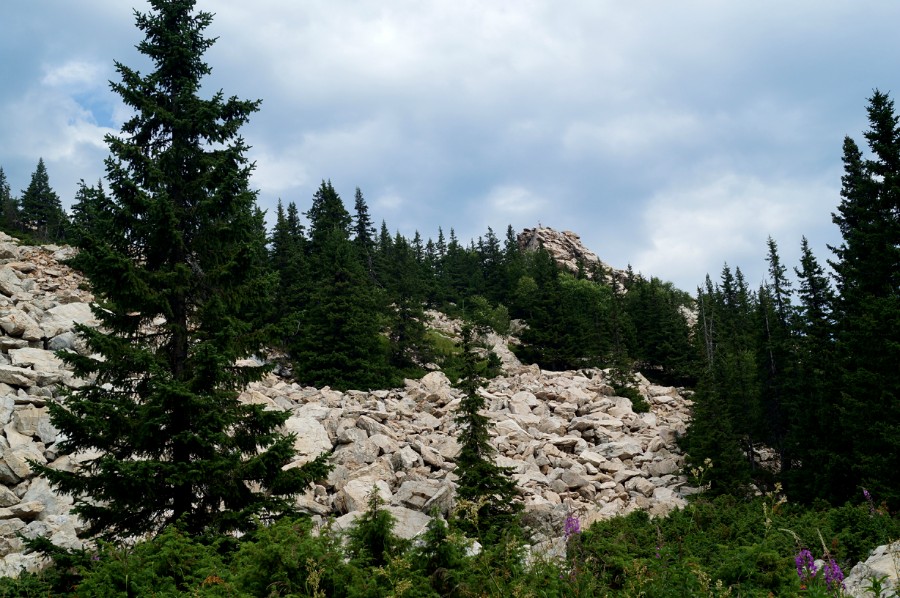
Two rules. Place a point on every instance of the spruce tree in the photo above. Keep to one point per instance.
(176, 278)
(91, 212)
(338, 342)
(488, 490)
(812, 424)
(42, 212)
(364, 233)
(867, 273)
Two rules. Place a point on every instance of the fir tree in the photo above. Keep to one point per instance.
(91, 212)
(488, 489)
(813, 425)
(364, 233)
(338, 341)
(176, 278)
(867, 273)
(42, 212)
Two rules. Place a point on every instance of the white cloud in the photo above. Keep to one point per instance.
(632, 133)
(513, 202)
(691, 231)
(75, 75)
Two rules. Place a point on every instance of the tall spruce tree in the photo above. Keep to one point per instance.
(811, 413)
(339, 342)
(176, 278)
(867, 272)
(41, 211)
(487, 488)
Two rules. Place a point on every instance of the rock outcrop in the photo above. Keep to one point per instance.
(566, 249)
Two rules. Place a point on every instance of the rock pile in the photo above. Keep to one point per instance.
(40, 301)
(575, 447)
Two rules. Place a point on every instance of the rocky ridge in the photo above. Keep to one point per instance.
(576, 448)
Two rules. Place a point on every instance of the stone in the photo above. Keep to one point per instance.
(663, 467)
(9, 251)
(312, 438)
(36, 359)
(355, 494)
(405, 458)
(63, 317)
(16, 376)
(10, 283)
(641, 485)
(27, 420)
(23, 510)
(883, 563)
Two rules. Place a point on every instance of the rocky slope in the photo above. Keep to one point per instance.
(576, 448)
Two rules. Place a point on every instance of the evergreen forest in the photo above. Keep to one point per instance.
(189, 493)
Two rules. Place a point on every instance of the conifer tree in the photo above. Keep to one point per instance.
(489, 489)
(176, 278)
(42, 212)
(364, 233)
(338, 341)
(867, 273)
(811, 415)
(9, 205)
(91, 212)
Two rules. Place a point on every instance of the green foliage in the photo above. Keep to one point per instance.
(721, 546)
(485, 317)
(178, 277)
(41, 210)
(172, 564)
(290, 558)
(371, 540)
(441, 556)
(638, 403)
(489, 505)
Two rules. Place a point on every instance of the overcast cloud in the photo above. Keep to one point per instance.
(672, 136)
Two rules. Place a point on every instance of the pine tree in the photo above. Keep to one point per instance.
(338, 341)
(364, 233)
(327, 215)
(176, 278)
(867, 273)
(291, 265)
(91, 212)
(776, 357)
(813, 424)
(488, 489)
(42, 212)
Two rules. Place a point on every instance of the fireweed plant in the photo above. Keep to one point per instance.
(825, 581)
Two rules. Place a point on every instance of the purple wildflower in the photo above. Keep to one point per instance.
(868, 498)
(806, 565)
(833, 575)
(572, 526)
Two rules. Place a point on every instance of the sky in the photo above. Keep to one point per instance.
(672, 136)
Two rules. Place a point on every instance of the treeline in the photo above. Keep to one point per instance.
(349, 301)
(812, 371)
(38, 213)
